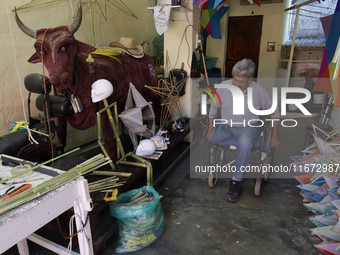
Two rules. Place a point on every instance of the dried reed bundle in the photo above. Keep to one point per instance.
(55, 182)
(37, 166)
(107, 183)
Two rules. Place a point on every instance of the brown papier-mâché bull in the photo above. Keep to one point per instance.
(65, 58)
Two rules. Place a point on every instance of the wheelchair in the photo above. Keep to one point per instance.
(264, 156)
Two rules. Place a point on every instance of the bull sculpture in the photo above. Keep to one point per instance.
(65, 59)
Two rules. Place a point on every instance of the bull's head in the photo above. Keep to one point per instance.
(59, 50)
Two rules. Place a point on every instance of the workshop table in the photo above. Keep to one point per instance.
(20, 223)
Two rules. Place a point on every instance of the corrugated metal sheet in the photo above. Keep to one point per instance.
(307, 42)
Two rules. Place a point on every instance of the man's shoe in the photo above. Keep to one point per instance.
(234, 192)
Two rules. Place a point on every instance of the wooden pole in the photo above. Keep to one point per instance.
(292, 47)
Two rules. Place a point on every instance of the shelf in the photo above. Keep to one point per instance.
(175, 8)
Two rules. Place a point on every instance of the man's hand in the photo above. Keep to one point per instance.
(275, 140)
(209, 134)
(210, 128)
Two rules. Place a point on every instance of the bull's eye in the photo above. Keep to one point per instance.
(63, 48)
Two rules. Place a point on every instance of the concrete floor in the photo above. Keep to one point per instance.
(200, 221)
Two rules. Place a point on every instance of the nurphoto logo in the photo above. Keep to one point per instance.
(238, 102)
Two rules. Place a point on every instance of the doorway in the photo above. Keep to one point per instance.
(244, 39)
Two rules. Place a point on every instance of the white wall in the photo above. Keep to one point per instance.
(15, 58)
(177, 47)
(217, 47)
(272, 25)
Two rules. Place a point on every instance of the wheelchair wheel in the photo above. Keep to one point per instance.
(268, 139)
(268, 160)
(215, 157)
(258, 187)
(203, 125)
(212, 179)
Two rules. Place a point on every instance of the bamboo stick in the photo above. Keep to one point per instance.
(117, 123)
(145, 162)
(100, 140)
(106, 187)
(93, 159)
(132, 163)
(113, 178)
(28, 196)
(52, 184)
(140, 193)
(97, 185)
(37, 166)
(103, 185)
(111, 173)
(114, 127)
(46, 186)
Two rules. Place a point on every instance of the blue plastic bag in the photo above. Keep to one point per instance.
(139, 225)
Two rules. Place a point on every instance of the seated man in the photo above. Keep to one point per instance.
(237, 125)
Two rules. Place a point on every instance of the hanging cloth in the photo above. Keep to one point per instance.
(161, 17)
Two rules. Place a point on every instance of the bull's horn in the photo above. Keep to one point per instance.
(30, 32)
(77, 21)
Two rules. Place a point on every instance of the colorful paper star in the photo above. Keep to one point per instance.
(329, 71)
(210, 20)
(216, 3)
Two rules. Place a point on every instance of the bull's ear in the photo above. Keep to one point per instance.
(35, 58)
(84, 48)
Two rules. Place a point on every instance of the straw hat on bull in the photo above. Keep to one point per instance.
(127, 45)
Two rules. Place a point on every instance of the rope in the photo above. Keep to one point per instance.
(30, 137)
(46, 106)
(128, 11)
(30, 5)
(186, 39)
(16, 64)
